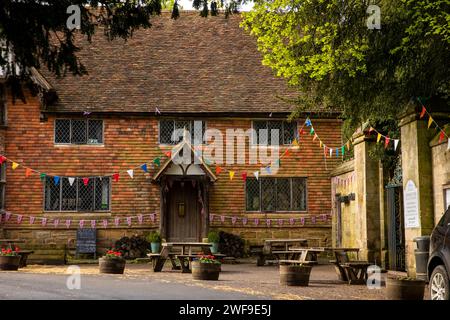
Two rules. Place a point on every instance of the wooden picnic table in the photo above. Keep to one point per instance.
(302, 254)
(278, 248)
(182, 252)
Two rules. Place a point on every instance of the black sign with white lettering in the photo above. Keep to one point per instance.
(86, 240)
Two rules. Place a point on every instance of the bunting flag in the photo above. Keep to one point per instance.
(144, 167)
(211, 218)
(386, 142)
(337, 152)
(42, 176)
(32, 218)
(343, 150)
(19, 218)
(115, 177)
(256, 174)
(292, 221)
(348, 145)
(56, 223)
(222, 219)
(218, 170)
(430, 121)
(371, 129)
(140, 218)
(152, 217)
(268, 222)
(28, 172)
(233, 220)
(68, 222)
(168, 154)
(105, 223)
(256, 221)
(308, 122)
(7, 216)
(441, 136)
(313, 219)
(81, 224)
(396, 144)
(157, 111)
(85, 181)
(56, 180)
(244, 221)
(295, 143)
(422, 113)
(157, 161)
(71, 181)
(129, 221)
(315, 137)
(302, 221)
(14, 165)
(331, 152)
(2, 159)
(244, 176)
(44, 222)
(320, 144)
(93, 224)
(131, 173)
(280, 222)
(231, 173)
(286, 153)
(378, 137)
(311, 132)
(268, 170)
(116, 222)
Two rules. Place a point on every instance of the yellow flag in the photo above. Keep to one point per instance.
(348, 145)
(14, 165)
(379, 137)
(295, 142)
(430, 121)
(321, 143)
(231, 175)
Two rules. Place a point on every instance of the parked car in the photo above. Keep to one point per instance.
(439, 261)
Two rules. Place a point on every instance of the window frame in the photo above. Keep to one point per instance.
(70, 133)
(281, 135)
(291, 194)
(77, 181)
(174, 121)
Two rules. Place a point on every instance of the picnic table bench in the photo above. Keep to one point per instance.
(352, 271)
(278, 248)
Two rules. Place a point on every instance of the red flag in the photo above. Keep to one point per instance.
(28, 172)
(441, 136)
(168, 154)
(2, 159)
(244, 176)
(287, 153)
(85, 181)
(115, 177)
(423, 112)
(386, 142)
(218, 170)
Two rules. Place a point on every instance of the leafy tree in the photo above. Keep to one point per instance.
(325, 49)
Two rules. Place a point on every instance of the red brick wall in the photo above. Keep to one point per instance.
(131, 141)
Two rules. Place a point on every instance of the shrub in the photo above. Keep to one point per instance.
(213, 237)
(154, 236)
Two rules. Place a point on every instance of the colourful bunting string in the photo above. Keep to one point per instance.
(144, 167)
(14, 165)
(231, 173)
(131, 173)
(85, 181)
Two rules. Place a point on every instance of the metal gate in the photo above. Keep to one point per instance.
(396, 230)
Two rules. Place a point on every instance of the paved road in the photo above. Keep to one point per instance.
(45, 286)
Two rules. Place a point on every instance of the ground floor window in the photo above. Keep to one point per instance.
(72, 194)
(276, 194)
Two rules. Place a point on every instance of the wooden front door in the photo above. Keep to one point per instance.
(183, 212)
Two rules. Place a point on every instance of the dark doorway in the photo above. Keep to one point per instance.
(183, 212)
(396, 230)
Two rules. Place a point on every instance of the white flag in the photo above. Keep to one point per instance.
(396, 144)
(256, 174)
(71, 181)
(331, 152)
(448, 146)
(130, 173)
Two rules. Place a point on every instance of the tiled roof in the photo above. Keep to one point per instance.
(188, 65)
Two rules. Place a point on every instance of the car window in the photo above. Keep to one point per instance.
(445, 220)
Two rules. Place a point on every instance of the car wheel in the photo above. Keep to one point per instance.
(439, 284)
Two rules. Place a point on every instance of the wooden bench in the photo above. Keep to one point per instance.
(24, 257)
(353, 272)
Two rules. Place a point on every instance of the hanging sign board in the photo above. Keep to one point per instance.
(411, 203)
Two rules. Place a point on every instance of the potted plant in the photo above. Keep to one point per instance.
(404, 288)
(213, 237)
(295, 274)
(155, 241)
(10, 259)
(206, 267)
(112, 262)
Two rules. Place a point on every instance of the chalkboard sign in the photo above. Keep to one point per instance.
(86, 241)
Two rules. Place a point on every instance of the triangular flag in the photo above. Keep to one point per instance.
(430, 121)
(105, 223)
(331, 152)
(131, 173)
(42, 176)
(378, 137)
(311, 131)
(315, 137)
(325, 151)
(157, 161)
(231, 173)
(157, 111)
(244, 176)
(337, 152)
(71, 181)
(286, 153)
(308, 122)
(56, 180)
(295, 142)
(168, 154)
(115, 177)
(343, 150)
(269, 170)
(396, 141)
(2, 159)
(218, 170)
(14, 165)
(144, 167)
(441, 136)
(68, 222)
(320, 144)
(348, 145)
(32, 220)
(386, 142)
(28, 172)
(422, 113)
(85, 181)
(256, 174)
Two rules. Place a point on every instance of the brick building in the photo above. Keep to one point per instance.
(191, 72)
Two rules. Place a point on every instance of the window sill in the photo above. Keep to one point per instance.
(68, 145)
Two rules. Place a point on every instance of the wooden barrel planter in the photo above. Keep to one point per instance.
(114, 266)
(205, 271)
(10, 263)
(404, 289)
(294, 275)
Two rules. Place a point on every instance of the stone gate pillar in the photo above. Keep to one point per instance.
(367, 199)
(417, 180)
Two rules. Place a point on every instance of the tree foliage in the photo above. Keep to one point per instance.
(325, 48)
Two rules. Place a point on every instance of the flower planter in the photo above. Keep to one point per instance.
(155, 246)
(10, 262)
(114, 266)
(215, 248)
(400, 289)
(205, 271)
(295, 275)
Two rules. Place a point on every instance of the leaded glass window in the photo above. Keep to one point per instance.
(78, 131)
(274, 132)
(169, 135)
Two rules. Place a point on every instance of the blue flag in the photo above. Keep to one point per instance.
(144, 167)
(56, 180)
